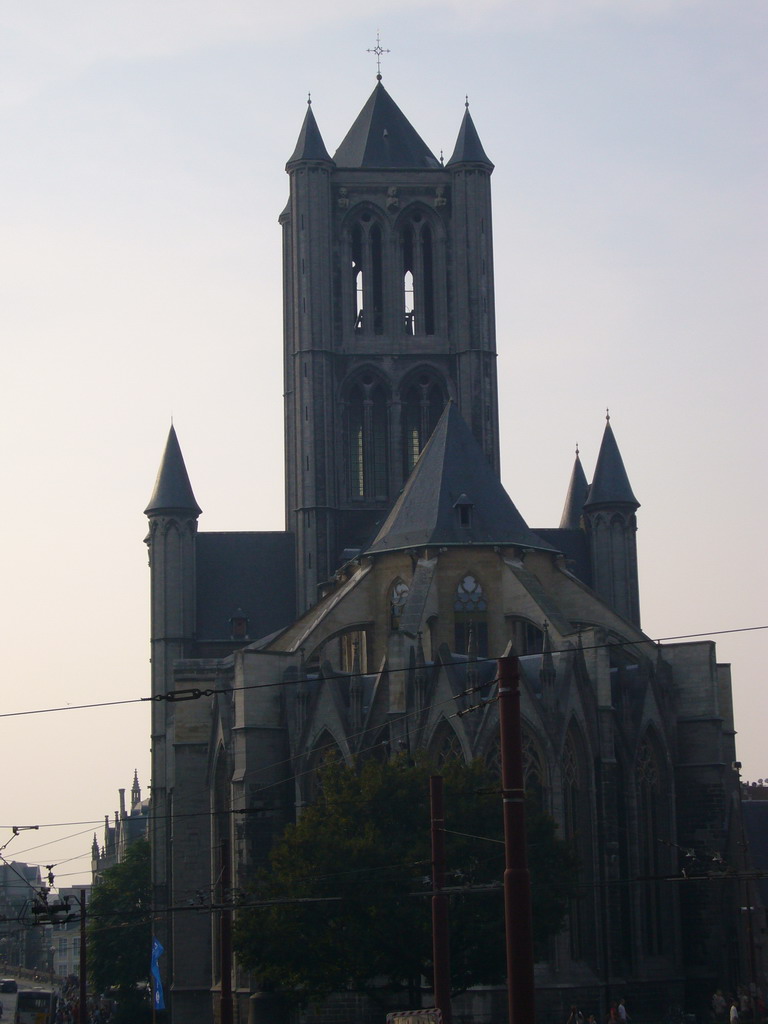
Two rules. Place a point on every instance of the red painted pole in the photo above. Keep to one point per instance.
(517, 884)
(441, 948)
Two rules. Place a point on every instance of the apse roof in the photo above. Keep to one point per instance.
(454, 498)
(382, 136)
(172, 487)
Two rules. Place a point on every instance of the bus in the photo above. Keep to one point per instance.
(35, 1006)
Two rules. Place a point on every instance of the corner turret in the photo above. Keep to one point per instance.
(172, 542)
(611, 524)
(310, 145)
(575, 499)
(468, 148)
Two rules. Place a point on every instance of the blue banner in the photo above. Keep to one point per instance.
(157, 985)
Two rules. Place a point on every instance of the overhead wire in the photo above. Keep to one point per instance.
(191, 693)
(331, 745)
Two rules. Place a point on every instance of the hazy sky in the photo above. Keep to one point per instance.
(142, 161)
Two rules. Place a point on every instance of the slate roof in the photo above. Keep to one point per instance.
(468, 148)
(575, 498)
(452, 471)
(610, 484)
(173, 491)
(246, 572)
(382, 137)
(573, 544)
(310, 145)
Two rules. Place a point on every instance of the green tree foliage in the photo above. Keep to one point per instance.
(345, 903)
(120, 930)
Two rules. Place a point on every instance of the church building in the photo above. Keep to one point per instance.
(404, 569)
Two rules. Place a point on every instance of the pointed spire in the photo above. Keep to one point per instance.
(135, 790)
(453, 467)
(575, 499)
(469, 148)
(173, 491)
(547, 673)
(310, 145)
(610, 484)
(382, 137)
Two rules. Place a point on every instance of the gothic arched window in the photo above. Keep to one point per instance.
(367, 440)
(418, 275)
(651, 838)
(366, 244)
(445, 747)
(535, 780)
(526, 636)
(326, 751)
(577, 830)
(398, 595)
(423, 403)
(470, 617)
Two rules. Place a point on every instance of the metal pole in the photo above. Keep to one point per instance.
(441, 948)
(83, 1012)
(225, 935)
(517, 886)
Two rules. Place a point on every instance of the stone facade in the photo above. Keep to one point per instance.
(411, 570)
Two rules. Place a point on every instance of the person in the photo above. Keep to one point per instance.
(575, 1016)
(719, 1006)
(624, 1017)
(613, 1015)
(733, 1016)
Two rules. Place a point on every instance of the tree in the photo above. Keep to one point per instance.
(345, 901)
(120, 930)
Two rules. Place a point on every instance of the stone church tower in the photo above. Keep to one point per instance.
(389, 313)
(372, 622)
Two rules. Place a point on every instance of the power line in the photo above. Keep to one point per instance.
(194, 693)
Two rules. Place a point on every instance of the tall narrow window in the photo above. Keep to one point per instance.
(408, 299)
(366, 244)
(397, 598)
(576, 830)
(422, 405)
(651, 838)
(377, 281)
(367, 441)
(418, 276)
(470, 615)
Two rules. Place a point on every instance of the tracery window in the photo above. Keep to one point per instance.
(397, 598)
(470, 617)
(423, 403)
(445, 746)
(327, 751)
(367, 275)
(535, 780)
(367, 440)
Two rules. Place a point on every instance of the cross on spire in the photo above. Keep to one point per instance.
(378, 49)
